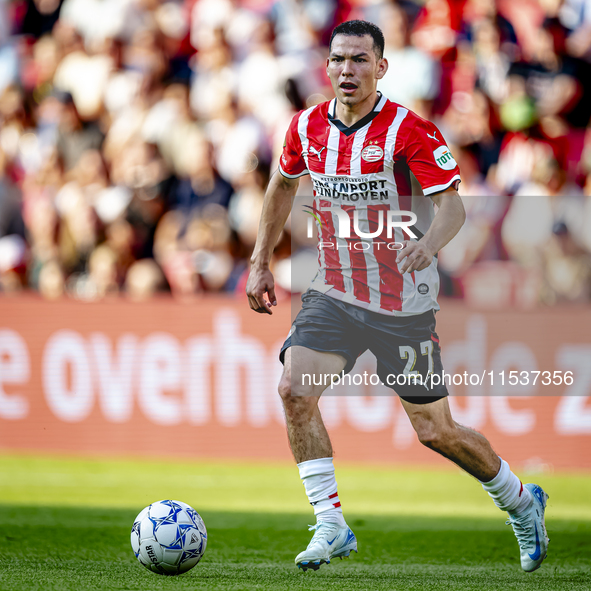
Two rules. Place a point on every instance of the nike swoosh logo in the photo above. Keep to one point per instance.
(332, 541)
(539, 495)
(536, 555)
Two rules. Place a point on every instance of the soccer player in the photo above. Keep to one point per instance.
(360, 150)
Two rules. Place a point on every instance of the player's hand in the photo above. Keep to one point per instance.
(417, 255)
(260, 281)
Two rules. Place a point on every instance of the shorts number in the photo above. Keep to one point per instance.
(407, 352)
(427, 349)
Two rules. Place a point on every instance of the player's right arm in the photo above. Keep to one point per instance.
(276, 207)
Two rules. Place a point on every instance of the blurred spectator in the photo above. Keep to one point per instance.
(40, 17)
(8, 50)
(566, 267)
(51, 280)
(492, 63)
(202, 185)
(11, 221)
(98, 20)
(143, 280)
(102, 275)
(13, 260)
(264, 99)
(528, 226)
(74, 136)
(575, 16)
(214, 78)
(412, 76)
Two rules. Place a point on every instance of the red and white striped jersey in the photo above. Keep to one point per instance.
(365, 170)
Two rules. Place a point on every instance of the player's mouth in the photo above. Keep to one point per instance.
(348, 87)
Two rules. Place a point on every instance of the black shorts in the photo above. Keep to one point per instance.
(401, 344)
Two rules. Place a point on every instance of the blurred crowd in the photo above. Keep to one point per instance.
(137, 138)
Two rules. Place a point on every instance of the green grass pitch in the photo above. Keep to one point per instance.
(65, 523)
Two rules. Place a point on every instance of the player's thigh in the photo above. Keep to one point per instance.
(324, 326)
(323, 342)
(307, 372)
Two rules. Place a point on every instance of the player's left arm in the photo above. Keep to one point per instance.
(423, 147)
(446, 224)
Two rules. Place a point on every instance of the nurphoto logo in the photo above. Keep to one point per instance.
(342, 229)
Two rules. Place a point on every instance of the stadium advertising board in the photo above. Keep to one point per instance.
(161, 378)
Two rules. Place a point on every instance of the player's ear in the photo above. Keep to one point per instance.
(382, 68)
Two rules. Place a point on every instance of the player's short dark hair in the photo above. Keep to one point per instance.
(360, 29)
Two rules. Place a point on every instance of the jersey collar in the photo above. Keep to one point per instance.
(380, 102)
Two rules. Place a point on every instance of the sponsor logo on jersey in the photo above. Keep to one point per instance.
(444, 159)
(423, 288)
(340, 192)
(433, 136)
(372, 153)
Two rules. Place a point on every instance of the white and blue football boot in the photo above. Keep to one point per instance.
(530, 530)
(329, 541)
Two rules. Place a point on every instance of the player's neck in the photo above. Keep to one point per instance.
(350, 114)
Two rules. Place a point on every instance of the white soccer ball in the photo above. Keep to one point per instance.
(168, 537)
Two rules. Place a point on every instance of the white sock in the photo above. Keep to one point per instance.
(507, 491)
(321, 487)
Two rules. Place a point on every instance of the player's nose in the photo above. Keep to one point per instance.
(347, 68)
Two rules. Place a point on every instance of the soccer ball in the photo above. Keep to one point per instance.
(168, 537)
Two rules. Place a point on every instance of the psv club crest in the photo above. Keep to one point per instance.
(372, 153)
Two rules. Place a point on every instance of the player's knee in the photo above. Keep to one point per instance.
(285, 390)
(428, 436)
(295, 399)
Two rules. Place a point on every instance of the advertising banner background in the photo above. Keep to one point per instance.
(200, 380)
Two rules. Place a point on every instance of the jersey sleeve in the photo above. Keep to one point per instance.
(291, 163)
(429, 158)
